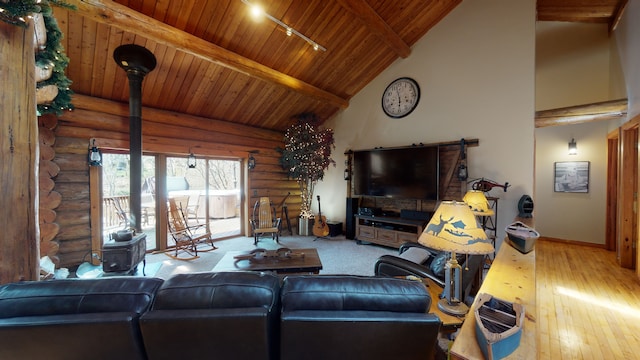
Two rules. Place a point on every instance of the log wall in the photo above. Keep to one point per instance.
(49, 198)
(178, 134)
(163, 132)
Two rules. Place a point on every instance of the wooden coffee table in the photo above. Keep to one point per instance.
(296, 264)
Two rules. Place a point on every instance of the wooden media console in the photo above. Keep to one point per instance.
(388, 231)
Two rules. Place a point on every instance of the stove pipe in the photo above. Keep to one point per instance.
(137, 61)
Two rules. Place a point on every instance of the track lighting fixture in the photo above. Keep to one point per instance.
(257, 12)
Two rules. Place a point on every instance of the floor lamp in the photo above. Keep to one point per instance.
(453, 228)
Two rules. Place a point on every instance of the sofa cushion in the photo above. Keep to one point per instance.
(223, 315)
(77, 296)
(416, 255)
(218, 290)
(348, 292)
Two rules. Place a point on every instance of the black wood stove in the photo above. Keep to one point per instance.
(124, 256)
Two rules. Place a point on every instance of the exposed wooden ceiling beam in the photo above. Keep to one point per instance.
(606, 110)
(617, 15)
(583, 13)
(375, 23)
(122, 17)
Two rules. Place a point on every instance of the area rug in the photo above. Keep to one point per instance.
(337, 254)
(88, 271)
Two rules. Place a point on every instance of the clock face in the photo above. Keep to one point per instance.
(400, 97)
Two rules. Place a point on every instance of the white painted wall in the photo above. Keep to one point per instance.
(572, 216)
(476, 73)
(572, 68)
(627, 37)
(572, 64)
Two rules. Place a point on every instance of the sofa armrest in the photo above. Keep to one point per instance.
(391, 265)
(410, 244)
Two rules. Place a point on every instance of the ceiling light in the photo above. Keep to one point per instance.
(257, 12)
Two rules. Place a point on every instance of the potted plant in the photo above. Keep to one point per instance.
(306, 155)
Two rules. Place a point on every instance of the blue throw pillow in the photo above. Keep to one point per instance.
(438, 263)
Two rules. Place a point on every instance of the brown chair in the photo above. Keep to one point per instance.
(182, 201)
(187, 238)
(264, 220)
(123, 216)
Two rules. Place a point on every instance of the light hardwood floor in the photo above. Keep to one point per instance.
(588, 306)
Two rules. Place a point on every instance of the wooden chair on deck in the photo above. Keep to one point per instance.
(264, 220)
(187, 238)
(123, 215)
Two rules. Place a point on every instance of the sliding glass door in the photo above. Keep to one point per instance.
(208, 194)
(115, 196)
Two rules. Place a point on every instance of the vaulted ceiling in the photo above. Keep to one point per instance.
(215, 61)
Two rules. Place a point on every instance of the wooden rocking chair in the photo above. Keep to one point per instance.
(264, 220)
(187, 238)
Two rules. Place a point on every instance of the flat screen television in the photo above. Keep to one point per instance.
(410, 172)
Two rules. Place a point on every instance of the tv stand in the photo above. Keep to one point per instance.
(388, 231)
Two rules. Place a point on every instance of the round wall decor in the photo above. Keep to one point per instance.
(400, 97)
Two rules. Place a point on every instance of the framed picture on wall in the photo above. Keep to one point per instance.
(571, 176)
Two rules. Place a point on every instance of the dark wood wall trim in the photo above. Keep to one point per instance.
(627, 193)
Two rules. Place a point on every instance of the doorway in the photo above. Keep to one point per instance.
(208, 193)
(116, 194)
(622, 214)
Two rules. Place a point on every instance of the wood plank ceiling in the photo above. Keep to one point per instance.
(215, 61)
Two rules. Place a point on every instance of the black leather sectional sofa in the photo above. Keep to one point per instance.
(226, 315)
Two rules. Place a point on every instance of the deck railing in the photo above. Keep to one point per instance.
(115, 212)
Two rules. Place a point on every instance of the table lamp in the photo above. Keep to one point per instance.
(478, 203)
(453, 228)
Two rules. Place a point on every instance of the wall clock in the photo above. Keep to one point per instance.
(400, 97)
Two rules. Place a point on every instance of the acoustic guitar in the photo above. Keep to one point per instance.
(320, 226)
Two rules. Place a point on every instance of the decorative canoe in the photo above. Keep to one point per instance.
(498, 326)
(521, 236)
